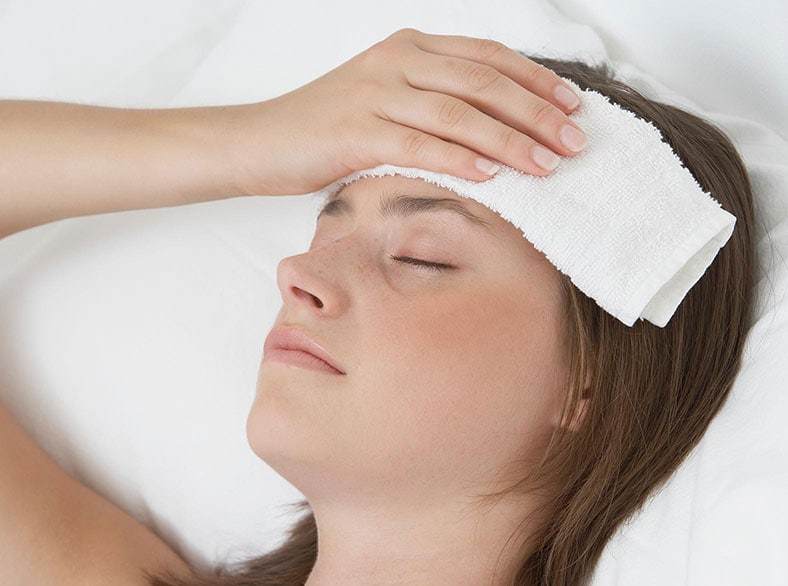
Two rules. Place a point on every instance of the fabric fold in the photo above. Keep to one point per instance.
(624, 219)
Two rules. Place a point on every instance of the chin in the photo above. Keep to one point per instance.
(287, 443)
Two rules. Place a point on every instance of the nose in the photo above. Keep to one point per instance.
(307, 283)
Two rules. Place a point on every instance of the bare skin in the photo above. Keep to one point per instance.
(481, 102)
(451, 375)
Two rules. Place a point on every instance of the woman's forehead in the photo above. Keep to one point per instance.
(379, 188)
(392, 185)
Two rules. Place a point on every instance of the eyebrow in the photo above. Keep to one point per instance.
(403, 206)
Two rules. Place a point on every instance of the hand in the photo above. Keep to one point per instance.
(448, 104)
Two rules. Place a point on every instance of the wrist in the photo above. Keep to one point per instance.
(250, 146)
(204, 146)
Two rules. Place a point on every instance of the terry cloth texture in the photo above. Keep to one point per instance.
(624, 219)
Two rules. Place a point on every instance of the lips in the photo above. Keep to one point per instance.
(283, 338)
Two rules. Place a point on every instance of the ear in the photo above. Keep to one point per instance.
(576, 421)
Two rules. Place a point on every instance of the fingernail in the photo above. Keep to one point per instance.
(572, 138)
(487, 167)
(566, 96)
(543, 157)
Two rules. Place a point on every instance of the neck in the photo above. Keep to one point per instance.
(447, 543)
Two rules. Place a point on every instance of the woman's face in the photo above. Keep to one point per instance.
(450, 374)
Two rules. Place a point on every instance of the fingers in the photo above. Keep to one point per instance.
(500, 97)
(453, 120)
(409, 147)
(500, 83)
(537, 79)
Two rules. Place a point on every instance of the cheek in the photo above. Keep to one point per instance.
(459, 369)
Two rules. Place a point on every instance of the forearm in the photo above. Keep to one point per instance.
(60, 160)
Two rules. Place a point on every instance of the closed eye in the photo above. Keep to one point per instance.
(435, 266)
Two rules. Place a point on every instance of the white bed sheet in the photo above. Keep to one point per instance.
(131, 341)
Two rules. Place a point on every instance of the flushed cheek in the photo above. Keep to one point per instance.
(437, 331)
(458, 370)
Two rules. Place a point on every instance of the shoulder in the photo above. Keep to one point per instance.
(97, 543)
(55, 530)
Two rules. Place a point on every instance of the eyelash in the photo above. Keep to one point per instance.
(433, 266)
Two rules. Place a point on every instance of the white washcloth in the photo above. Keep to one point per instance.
(624, 219)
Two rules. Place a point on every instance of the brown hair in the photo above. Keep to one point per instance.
(654, 390)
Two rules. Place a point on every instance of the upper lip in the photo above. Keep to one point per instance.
(293, 339)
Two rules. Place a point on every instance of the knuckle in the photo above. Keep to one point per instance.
(391, 48)
(536, 74)
(507, 138)
(452, 112)
(482, 78)
(405, 33)
(488, 49)
(416, 143)
(541, 112)
(383, 51)
(369, 57)
(445, 155)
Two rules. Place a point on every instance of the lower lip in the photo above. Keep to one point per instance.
(298, 358)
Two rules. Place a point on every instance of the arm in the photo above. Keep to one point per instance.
(412, 100)
(60, 160)
(55, 530)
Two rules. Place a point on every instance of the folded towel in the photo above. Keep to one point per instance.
(624, 219)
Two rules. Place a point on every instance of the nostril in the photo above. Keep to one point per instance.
(298, 292)
(304, 294)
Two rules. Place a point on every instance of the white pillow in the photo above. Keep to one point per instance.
(131, 341)
(723, 517)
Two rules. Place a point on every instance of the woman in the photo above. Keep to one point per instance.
(430, 454)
